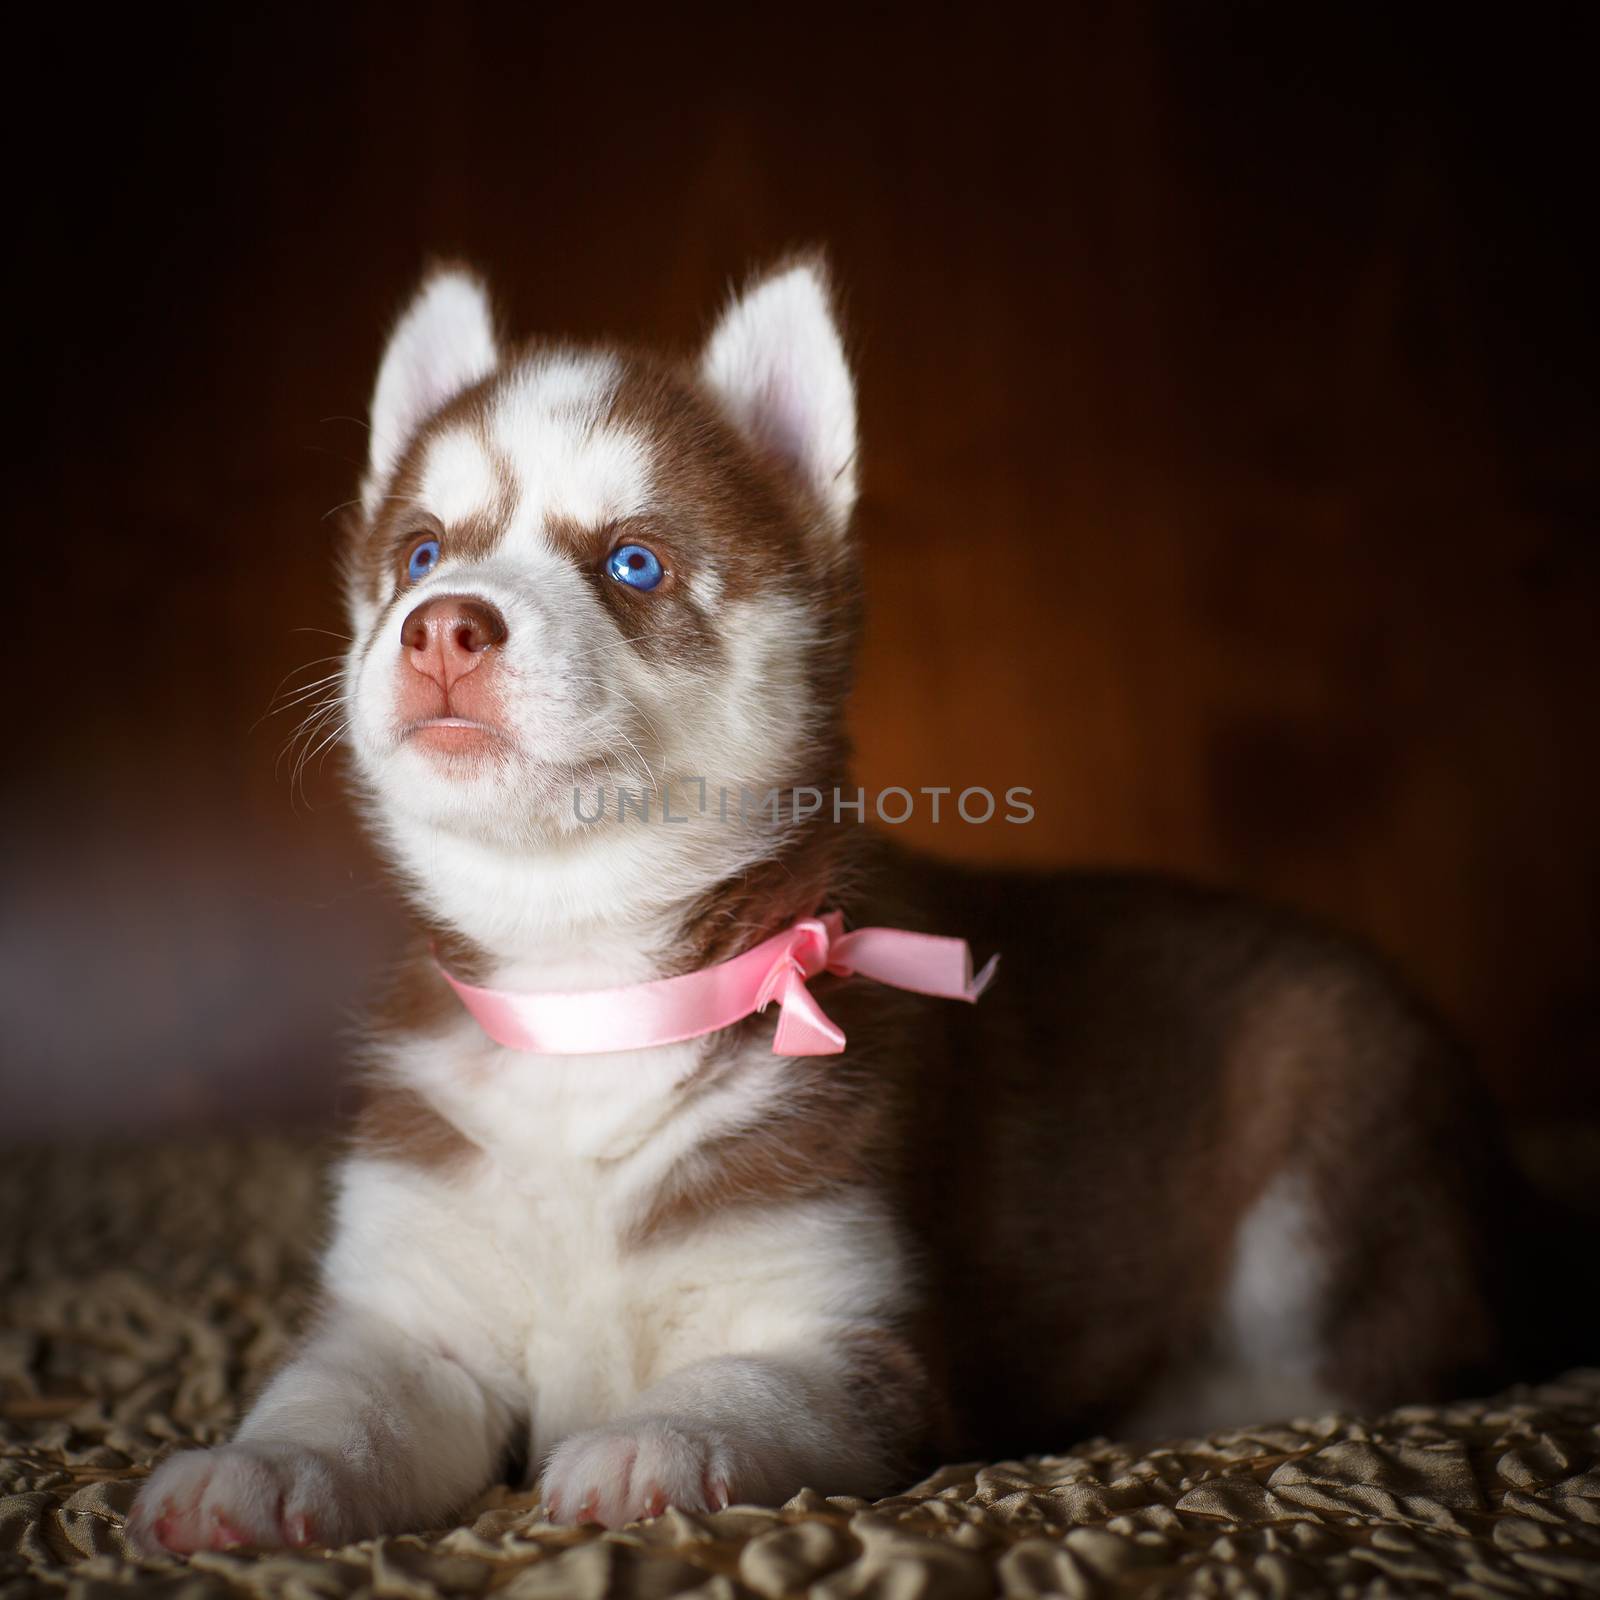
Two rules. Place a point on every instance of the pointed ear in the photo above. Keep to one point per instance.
(443, 343)
(776, 363)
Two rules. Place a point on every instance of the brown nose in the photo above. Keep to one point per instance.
(446, 637)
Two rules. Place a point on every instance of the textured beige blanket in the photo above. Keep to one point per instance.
(141, 1294)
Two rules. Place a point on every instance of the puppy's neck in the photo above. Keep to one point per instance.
(623, 904)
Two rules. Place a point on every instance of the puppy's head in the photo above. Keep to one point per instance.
(584, 567)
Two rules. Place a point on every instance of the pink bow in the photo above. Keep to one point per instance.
(667, 1010)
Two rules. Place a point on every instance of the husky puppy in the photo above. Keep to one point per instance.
(1187, 1163)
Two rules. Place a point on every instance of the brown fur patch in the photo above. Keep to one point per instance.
(416, 999)
(394, 1119)
(894, 1394)
(822, 1141)
(398, 1123)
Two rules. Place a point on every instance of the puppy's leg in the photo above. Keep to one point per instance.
(747, 1428)
(367, 1431)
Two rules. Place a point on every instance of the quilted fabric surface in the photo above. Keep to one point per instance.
(144, 1292)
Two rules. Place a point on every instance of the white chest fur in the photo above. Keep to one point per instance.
(518, 1265)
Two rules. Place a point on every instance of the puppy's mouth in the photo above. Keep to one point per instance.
(456, 737)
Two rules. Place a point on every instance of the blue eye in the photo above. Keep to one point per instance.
(635, 566)
(423, 560)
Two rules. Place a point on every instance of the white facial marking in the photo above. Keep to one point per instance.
(458, 478)
(570, 462)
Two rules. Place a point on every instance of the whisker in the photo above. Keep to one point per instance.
(304, 666)
(285, 686)
(614, 644)
(624, 767)
(344, 505)
(309, 692)
(311, 725)
(650, 723)
(639, 712)
(310, 753)
(284, 698)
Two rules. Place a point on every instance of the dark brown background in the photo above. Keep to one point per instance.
(1227, 390)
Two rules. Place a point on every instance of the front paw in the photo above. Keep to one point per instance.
(628, 1470)
(263, 1495)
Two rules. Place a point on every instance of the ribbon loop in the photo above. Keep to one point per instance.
(804, 1028)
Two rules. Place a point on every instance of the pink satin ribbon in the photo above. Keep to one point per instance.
(639, 1015)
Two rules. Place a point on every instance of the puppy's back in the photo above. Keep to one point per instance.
(1193, 1159)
